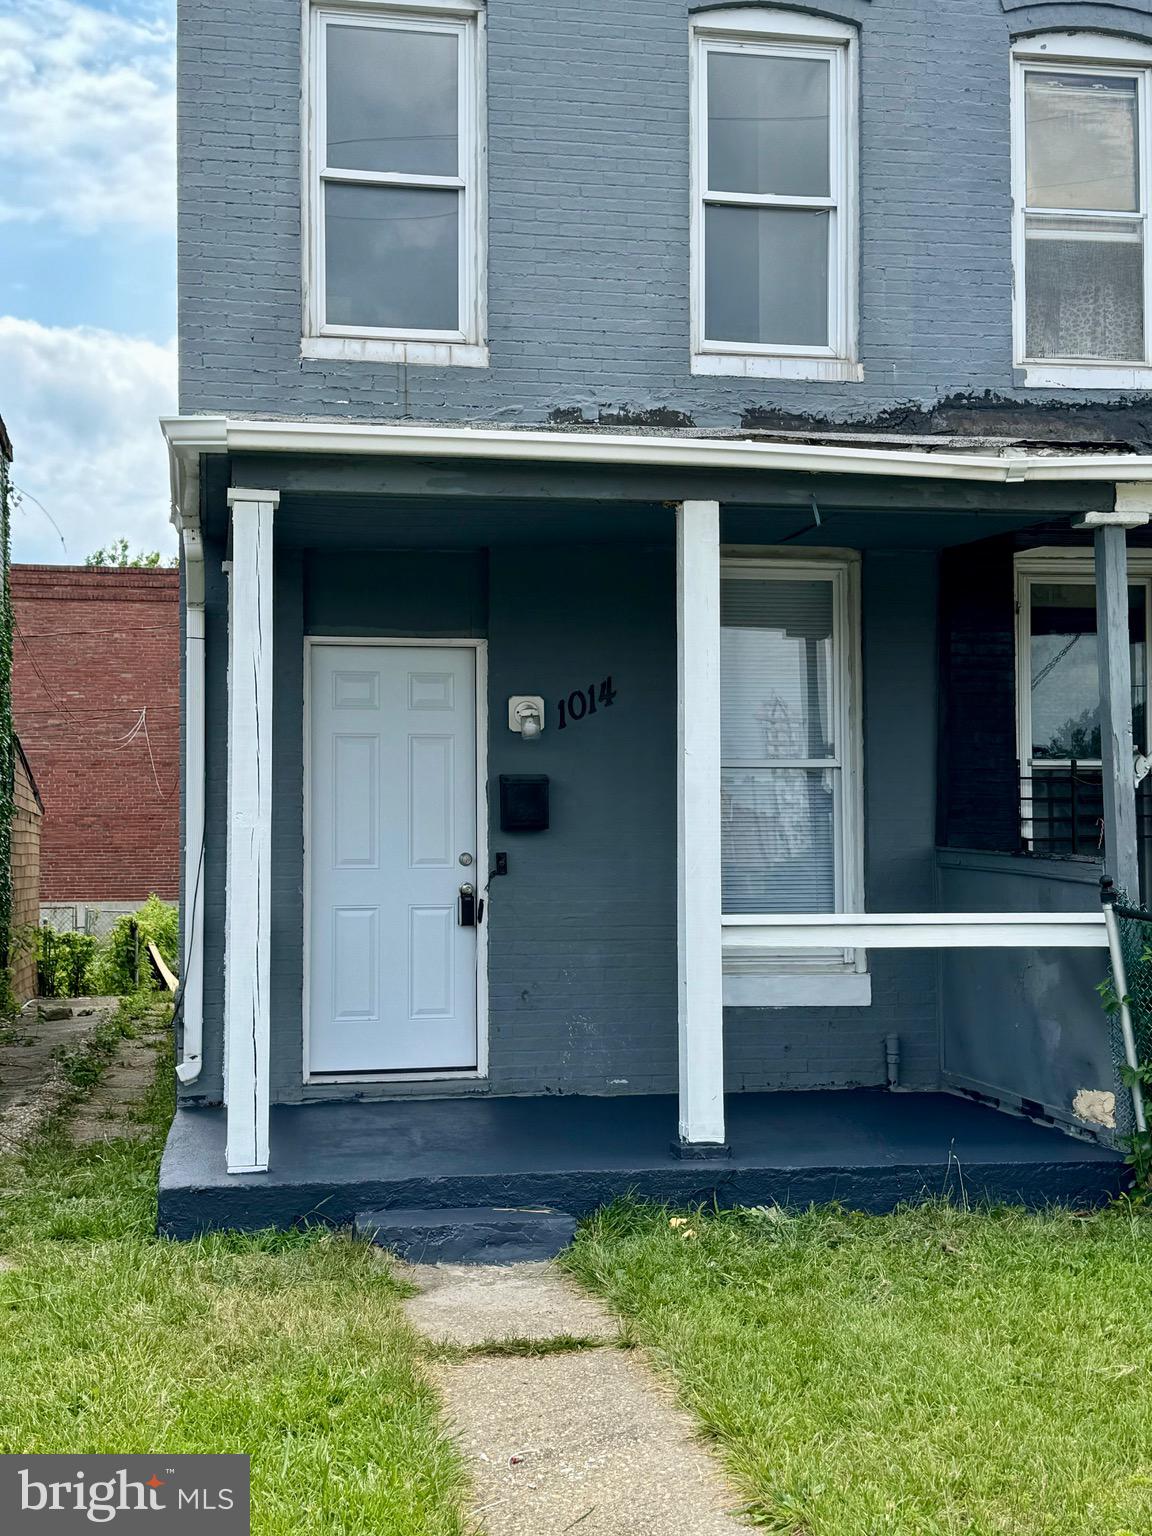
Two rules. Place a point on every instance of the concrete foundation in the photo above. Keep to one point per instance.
(866, 1148)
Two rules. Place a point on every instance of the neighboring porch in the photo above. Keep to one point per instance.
(867, 1148)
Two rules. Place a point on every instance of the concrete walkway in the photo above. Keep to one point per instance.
(583, 1437)
(32, 1086)
(114, 1107)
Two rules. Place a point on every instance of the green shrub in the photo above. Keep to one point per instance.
(77, 965)
(121, 965)
(63, 960)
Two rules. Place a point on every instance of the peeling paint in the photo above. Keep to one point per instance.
(1122, 425)
(1095, 1106)
(664, 418)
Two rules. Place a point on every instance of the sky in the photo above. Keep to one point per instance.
(87, 270)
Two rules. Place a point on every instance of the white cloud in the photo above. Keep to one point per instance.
(87, 116)
(81, 406)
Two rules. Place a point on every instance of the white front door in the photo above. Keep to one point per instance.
(392, 972)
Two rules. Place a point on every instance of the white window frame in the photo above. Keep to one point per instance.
(1040, 567)
(757, 974)
(782, 34)
(465, 347)
(1059, 53)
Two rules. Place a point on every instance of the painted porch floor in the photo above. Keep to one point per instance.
(864, 1147)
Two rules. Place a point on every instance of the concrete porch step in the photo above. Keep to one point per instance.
(469, 1234)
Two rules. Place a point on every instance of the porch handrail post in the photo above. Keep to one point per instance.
(699, 933)
(1121, 861)
(248, 914)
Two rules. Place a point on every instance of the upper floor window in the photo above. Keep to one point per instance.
(395, 183)
(774, 184)
(1082, 150)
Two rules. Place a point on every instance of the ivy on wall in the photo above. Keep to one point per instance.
(7, 735)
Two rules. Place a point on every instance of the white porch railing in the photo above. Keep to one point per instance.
(919, 930)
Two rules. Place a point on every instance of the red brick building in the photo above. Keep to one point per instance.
(96, 698)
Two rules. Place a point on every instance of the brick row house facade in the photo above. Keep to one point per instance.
(665, 494)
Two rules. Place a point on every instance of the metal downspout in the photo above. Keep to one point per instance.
(191, 1001)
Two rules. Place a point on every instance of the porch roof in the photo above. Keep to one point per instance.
(389, 485)
(999, 461)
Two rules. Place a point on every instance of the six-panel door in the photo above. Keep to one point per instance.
(392, 973)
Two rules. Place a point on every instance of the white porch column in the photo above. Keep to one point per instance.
(1121, 851)
(700, 967)
(1116, 755)
(248, 917)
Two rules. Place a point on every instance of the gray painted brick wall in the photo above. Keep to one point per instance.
(588, 216)
(211, 1081)
(583, 930)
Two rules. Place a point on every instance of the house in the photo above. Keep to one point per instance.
(665, 504)
(96, 697)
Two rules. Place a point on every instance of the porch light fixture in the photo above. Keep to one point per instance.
(526, 715)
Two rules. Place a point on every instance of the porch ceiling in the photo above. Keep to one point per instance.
(377, 522)
(364, 503)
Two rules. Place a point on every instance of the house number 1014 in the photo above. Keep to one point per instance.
(586, 701)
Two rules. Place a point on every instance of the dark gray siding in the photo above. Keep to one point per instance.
(210, 1083)
(398, 592)
(1024, 1026)
(287, 820)
(588, 223)
(979, 774)
(583, 930)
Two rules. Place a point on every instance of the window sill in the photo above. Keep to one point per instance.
(839, 989)
(375, 349)
(1083, 376)
(747, 365)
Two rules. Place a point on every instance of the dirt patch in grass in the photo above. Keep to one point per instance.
(49, 1054)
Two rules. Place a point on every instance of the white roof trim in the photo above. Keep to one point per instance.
(190, 436)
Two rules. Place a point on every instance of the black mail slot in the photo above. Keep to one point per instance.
(523, 802)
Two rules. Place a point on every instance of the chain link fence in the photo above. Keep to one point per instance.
(1129, 1003)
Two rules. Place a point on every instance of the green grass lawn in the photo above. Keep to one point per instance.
(290, 1348)
(930, 1373)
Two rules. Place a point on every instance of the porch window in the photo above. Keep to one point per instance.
(395, 183)
(773, 227)
(1059, 699)
(790, 840)
(1082, 146)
